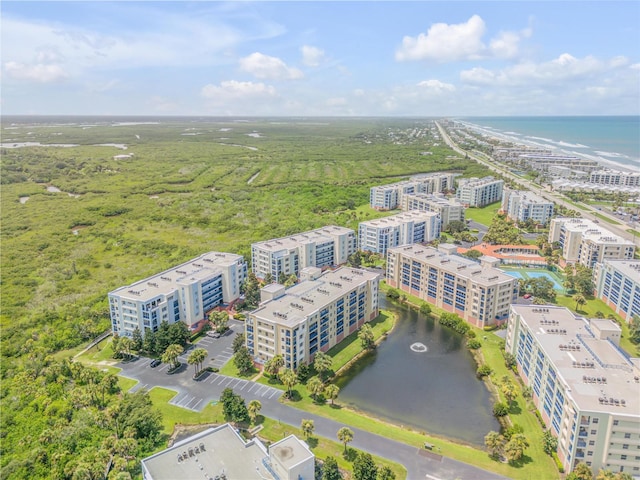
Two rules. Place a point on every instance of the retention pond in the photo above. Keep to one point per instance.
(422, 376)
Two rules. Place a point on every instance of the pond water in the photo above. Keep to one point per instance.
(422, 376)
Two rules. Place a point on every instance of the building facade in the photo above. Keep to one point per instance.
(478, 192)
(479, 294)
(185, 293)
(221, 453)
(312, 316)
(614, 177)
(584, 386)
(323, 247)
(587, 243)
(388, 197)
(402, 229)
(522, 206)
(618, 285)
(449, 209)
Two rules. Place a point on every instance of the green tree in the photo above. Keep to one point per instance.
(303, 372)
(273, 365)
(514, 449)
(580, 300)
(345, 435)
(581, 471)
(179, 333)
(288, 379)
(364, 468)
(366, 337)
(233, 407)
(385, 473)
(330, 470)
(137, 339)
(494, 443)
(549, 442)
(473, 254)
(149, 342)
(455, 226)
(253, 409)
(268, 279)
(355, 259)
(219, 319)
(291, 280)
(315, 386)
(393, 294)
(307, 427)
(251, 288)
(238, 342)
(171, 354)
(634, 329)
(323, 364)
(425, 309)
(509, 360)
(331, 391)
(126, 346)
(243, 361)
(509, 391)
(197, 358)
(500, 409)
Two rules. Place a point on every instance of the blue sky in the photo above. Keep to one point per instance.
(321, 58)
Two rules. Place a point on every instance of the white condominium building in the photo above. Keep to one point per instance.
(402, 229)
(614, 177)
(449, 209)
(521, 206)
(618, 285)
(185, 293)
(584, 386)
(388, 197)
(479, 294)
(313, 315)
(478, 192)
(323, 247)
(585, 242)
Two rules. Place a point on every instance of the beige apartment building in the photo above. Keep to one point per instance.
(314, 315)
(402, 229)
(389, 197)
(323, 247)
(480, 294)
(584, 386)
(587, 243)
(449, 209)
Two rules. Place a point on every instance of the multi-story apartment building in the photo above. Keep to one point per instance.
(185, 293)
(478, 192)
(402, 229)
(449, 209)
(542, 162)
(480, 294)
(566, 172)
(312, 316)
(388, 197)
(583, 384)
(322, 247)
(585, 242)
(521, 206)
(618, 285)
(614, 177)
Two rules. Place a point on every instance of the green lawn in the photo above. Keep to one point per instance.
(483, 215)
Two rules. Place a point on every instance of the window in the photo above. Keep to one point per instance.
(593, 432)
(590, 453)
(625, 446)
(623, 457)
(627, 435)
(615, 422)
(592, 442)
(595, 420)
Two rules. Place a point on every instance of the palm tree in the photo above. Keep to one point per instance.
(580, 300)
(322, 363)
(253, 408)
(509, 391)
(171, 355)
(196, 358)
(331, 391)
(289, 379)
(307, 427)
(273, 365)
(315, 387)
(514, 449)
(126, 344)
(494, 443)
(345, 435)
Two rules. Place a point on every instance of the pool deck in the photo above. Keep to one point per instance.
(510, 254)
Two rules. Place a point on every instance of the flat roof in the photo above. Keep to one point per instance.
(400, 218)
(628, 268)
(455, 264)
(324, 234)
(478, 182)
(305, 298)
(168, 281)
(209, 454)
(439, 199)
(290, 452)
(528, 196)
(583, 361)
(590, 230)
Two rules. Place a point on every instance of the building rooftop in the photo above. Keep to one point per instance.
(629, 268)
(324, 234)
(591, 231)
(399, 219)
(305, 298)
(439, 199)
(477, 182)
(455, 264)
(290, 452)
(209, 455)
(592, 369)
(168, 281)
(530, 197)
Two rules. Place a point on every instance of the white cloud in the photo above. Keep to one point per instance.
(234, 90)
(312, 56)
(505, 45)
(444, 42)
(336, 102)
(264, 66)
(436, 86)
(41, 73)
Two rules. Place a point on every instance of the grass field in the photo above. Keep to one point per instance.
(483, 215)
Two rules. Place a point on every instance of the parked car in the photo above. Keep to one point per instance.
(154, 363)
(527, 296)
(213, 334)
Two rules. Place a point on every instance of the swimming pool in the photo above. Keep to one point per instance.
(526, 274)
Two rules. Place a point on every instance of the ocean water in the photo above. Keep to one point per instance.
(613, 141)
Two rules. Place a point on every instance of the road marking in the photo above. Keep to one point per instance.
(222, 379)
(259, 392)
(274, 392)
(188, 401)
(252, 387)
(192, 399)
(195, 407)
(230, 380)
(244, 384)
(432, 477)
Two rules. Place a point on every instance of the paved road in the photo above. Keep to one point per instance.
(195, 395)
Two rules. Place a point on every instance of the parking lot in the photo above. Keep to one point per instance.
(196, 394)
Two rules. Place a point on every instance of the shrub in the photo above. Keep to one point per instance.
(239, 316)
(500, 409)
(489, 328)
(483, 371)
(474, 344)
(471, 334)
(558, 462)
